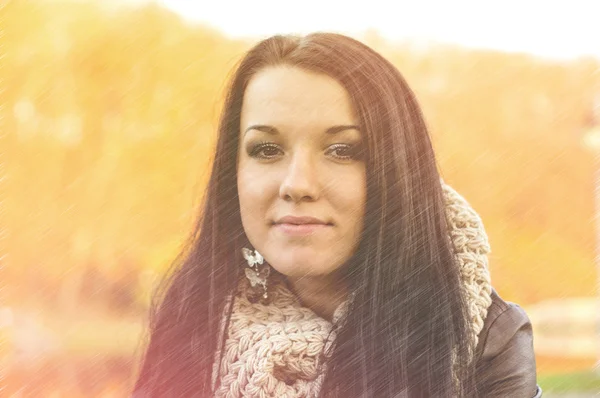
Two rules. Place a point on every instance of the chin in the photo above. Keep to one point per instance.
(298, 269)
(299, 273)
(301, 261)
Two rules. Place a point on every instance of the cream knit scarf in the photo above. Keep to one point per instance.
(273, 350)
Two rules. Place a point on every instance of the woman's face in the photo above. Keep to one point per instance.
(300, 156)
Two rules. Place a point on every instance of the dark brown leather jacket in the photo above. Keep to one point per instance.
(504, 355)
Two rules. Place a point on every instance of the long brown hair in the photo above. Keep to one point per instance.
(409, 318)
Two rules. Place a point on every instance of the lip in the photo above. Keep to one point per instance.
(300, 220)
(301, 229)
(300, 225)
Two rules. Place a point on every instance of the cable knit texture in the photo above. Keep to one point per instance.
(273, 350)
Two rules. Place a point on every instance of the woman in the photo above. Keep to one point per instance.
(330, 258)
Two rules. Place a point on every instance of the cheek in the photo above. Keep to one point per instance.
(357, 213)
(350, 196)
(255, 192)
(355, 209)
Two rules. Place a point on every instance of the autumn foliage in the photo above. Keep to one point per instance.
(108, 124)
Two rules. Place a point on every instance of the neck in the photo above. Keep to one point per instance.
(321, 294)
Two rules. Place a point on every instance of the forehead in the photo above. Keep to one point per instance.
(289, 97)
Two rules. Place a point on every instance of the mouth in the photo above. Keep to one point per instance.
(290, 225)
(301, 220)
(274, 223)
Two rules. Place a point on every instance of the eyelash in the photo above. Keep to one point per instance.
(354, 149)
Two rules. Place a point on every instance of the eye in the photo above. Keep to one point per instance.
(264, 150)
(345, 151)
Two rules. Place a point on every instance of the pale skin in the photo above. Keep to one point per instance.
(299, 155)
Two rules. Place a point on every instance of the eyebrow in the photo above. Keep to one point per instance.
(330, 131)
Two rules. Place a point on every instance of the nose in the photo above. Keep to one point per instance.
(301, 180)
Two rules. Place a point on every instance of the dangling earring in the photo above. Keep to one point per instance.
(255, 275)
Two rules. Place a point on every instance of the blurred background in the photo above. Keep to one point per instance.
(108, 120)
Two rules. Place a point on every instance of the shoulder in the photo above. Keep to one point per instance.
(504, 357)
(503, 320)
